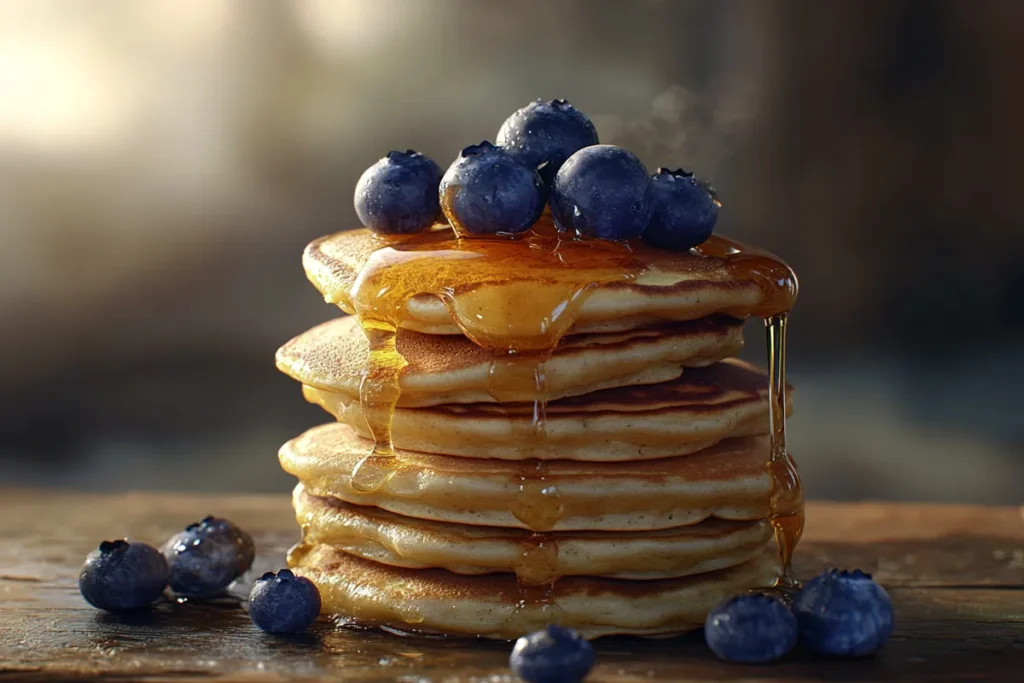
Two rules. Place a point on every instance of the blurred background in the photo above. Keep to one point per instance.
(163, 163)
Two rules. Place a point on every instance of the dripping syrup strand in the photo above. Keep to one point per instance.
(378, 394)
(787, 515)
(776, 329)
(538, 504)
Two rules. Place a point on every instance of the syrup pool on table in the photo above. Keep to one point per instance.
(518, 297)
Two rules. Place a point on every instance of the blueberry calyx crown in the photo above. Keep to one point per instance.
(395, 155)
(679, 173)
(112, 546)
(704, 185)
(477, 150)
(283, 574)
(205, 521)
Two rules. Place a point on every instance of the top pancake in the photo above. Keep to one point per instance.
(452, 369)
(674, 285)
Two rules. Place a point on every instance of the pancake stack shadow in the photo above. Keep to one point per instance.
(641, 501)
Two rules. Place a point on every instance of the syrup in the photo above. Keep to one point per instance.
(514, 297)
(538, 504)
(536, 573)
(538, 561)
(518, 298)
(773, 277)
(787, 503)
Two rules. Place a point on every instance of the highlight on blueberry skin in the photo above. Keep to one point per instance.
(283, 602)
(122, 575)
(751, 629)
(554, 655)
(843, 613)
(207, 557)
(542, 135)
(487, 192)
(398, 194)
(684, 212)
(603, 191)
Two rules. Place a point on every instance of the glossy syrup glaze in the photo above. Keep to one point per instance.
(518, 298)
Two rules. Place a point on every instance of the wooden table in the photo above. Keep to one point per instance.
(956, 575)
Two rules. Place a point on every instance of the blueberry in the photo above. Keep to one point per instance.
(684, 211)
(284, 603)
(543, 135)
(398, 194)
(554, 655)
(843, 613)
(750, 628)
(207, 556)
(602, 191)
(486, 191)
(122, 575)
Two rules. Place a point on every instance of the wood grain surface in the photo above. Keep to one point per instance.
(955, 573)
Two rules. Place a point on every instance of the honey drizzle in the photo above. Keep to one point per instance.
(514, 297)
(518, 298)
(379, 391)
(787, 502)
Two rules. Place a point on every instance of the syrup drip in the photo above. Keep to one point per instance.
(378, 394)
(536, 573)
(787, 503)
(538, 504)
(513, 375)
(518, 298)
(538, 561)
(514, 297)
(774, 278)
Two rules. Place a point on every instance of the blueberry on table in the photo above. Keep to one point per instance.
(843, 613)
(684, 213)
(487, 192)
(554, 655)
(398, 194)
(602, 191)
(543, 135)
(207, 556)
(283, 603)
(123, 576)
(750, 628)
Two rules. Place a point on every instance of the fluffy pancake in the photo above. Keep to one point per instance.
(679, 285)
(381, 536)
(452, 369)
(728, 480)
(494, 606)
(681, 416)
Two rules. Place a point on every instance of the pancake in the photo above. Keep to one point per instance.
(494, 606)
(673, 285)
(381, 536)
(452, 369)
(703, 406)
(728, 481)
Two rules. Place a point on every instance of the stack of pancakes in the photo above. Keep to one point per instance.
(640, 501)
